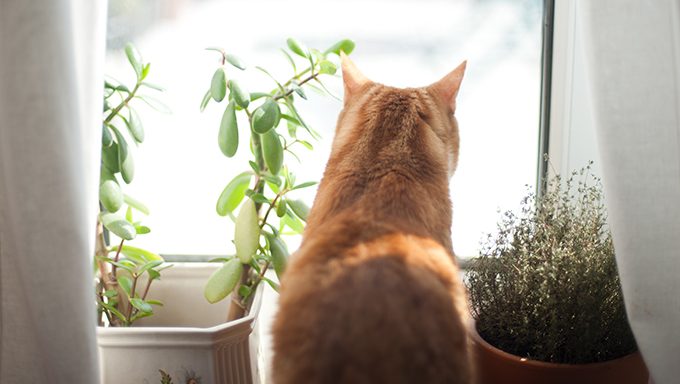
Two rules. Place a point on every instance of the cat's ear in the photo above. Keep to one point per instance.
(447, 88)
(351, 76)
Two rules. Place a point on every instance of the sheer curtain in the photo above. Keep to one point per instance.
(633, 51)
(51, 58)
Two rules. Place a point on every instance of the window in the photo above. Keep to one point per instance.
(181, 171)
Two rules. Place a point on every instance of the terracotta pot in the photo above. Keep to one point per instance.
(497, 367)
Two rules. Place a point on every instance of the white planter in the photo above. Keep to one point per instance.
(187, 336)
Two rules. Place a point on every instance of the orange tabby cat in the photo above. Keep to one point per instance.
(373, 295)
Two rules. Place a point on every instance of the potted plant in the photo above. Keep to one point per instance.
(188, 338)
(546, 297)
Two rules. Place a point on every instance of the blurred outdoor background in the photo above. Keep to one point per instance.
(180, 170)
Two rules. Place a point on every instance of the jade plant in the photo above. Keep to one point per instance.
(546, 286)
(125, 273)
(276, 133)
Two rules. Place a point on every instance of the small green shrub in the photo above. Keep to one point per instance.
(261, 192)
(546, 285)
(125, 273)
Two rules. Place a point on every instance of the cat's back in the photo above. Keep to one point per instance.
(383, 309)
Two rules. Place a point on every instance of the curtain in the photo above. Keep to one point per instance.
(51, 71)
(633, 54)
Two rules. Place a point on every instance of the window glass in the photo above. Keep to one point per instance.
(181, 171)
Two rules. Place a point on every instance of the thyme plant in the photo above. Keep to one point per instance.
(546, 286)
(123, 282)
(276, 132)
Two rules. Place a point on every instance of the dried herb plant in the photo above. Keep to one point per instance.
(546, 285)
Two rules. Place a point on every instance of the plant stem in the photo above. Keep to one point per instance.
(271, 206)
(122, 104)
(290, 91)
(132, 295)
(113, 269)
(146, 289)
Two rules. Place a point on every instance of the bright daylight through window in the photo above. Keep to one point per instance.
(181, 171)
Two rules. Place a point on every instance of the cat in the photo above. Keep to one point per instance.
(373, 295)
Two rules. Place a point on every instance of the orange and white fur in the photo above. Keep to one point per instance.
(373, 295)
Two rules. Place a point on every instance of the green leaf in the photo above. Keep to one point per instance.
(110, 158)
(293, 223)
(235, 61)
(125, 160)
(145, 71)
(300, 209)
(272, 284)
(110, 195)
(279, 255)
(254, 166)
(118, 226)
(122, 229)
(142, 229)
(306, 144)
(149, 265)
(136, 204)
(105, 175)
(153, 86)
(134, 124)
(155, 302)
(141, 305)
(227, 137)
(291, 119)
(259, 198)
(345, 45)
(128, 215)
(134, 58)
(233, 193)
(154, 274)
(266, 116)
(113, 310)
(326, 67)
(216, 49)
(139, 255)
(271, 77)
(297, 47)
(324, 90)
(244, 291)
(290, 59)
(223, 281)
(272, 151)
(298, 90)
(206, 100)
(218, 85)
(258, 95)
(125, 282)
(241, 97)
(247, 232)
(155, 104)
(305, 185)
(220, 259)
(281, 207)
(296, 115)
(107, 139)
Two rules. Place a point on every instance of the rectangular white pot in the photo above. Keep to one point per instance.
(186, 337)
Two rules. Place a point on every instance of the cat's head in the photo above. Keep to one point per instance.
(387, 121)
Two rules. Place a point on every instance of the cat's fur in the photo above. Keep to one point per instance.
(373, 295)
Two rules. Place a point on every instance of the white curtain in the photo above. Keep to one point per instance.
(51, 59)
(633, 54)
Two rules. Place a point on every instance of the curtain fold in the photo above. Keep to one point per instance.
(633, 54)
(51, 63)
